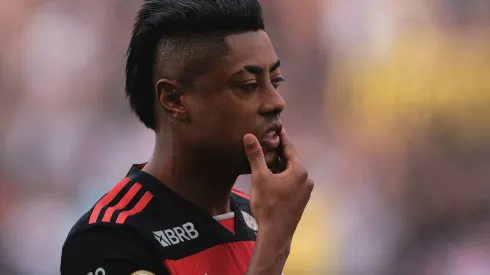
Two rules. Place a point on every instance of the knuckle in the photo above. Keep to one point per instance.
(302, 174)
(254, 154)
(310, 185)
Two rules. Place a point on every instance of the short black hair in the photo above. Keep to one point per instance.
(175, 31)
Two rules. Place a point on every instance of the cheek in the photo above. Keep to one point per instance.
(229, 117)
(212, 123)
(224, 118)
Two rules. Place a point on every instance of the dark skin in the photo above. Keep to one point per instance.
(199, 150)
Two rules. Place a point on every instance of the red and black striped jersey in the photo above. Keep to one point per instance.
(142, 227)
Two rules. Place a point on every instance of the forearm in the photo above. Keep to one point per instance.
(270, 254)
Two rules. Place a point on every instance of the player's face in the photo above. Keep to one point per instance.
(238, 95)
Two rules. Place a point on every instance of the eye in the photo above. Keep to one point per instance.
(249, 88)
(277, 81)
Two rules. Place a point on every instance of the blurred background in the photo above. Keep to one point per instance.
(388, 103)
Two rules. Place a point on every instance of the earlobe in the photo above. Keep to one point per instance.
(170, 98)
(181, 112)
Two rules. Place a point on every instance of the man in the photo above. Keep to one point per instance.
(204, 76)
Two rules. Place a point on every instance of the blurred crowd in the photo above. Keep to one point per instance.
(388, 102)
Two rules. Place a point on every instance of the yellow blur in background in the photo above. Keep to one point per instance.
(428, 74)
(313, 247)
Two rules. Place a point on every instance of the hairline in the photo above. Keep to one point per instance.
(214, 45)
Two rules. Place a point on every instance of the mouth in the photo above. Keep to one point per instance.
(270, 139)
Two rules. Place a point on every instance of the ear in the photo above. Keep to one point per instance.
(170, 98)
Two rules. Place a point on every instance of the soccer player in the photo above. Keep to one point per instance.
(204, 76)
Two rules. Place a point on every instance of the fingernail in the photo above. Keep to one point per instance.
(248, 140)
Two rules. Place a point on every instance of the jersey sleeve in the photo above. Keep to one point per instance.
(108, 251)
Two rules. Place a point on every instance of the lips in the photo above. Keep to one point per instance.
(270, 139)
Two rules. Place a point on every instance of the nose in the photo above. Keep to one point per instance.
(273, 103)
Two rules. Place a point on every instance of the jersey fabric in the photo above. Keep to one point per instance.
(142, 227)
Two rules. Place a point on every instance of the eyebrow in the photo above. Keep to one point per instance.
(257, 70)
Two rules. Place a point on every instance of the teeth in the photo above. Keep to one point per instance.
(270, 134)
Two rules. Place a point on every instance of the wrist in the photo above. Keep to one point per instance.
(271, 250)
(271, 236)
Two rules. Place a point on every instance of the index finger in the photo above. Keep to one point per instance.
(254, 154)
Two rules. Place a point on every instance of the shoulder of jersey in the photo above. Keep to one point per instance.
(124, 204)
(242, 199)
(128, 202)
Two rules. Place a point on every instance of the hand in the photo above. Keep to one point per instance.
(277, 200)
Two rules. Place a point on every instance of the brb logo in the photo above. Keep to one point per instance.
(176, 235)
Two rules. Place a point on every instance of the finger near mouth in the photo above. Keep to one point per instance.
(271, 157)
(270, 143)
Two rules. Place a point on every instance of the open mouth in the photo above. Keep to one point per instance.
(271, 134)
(271, 139)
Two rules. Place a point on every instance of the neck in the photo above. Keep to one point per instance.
(196, 179)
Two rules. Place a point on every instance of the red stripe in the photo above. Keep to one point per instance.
(230, 258)
(107, 199)
(240, 193)
(229, 224)
(122, 203)
(142, 203)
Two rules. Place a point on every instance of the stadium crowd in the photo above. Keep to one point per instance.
(388, 103)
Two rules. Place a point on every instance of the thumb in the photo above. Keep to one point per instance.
(254, 153)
